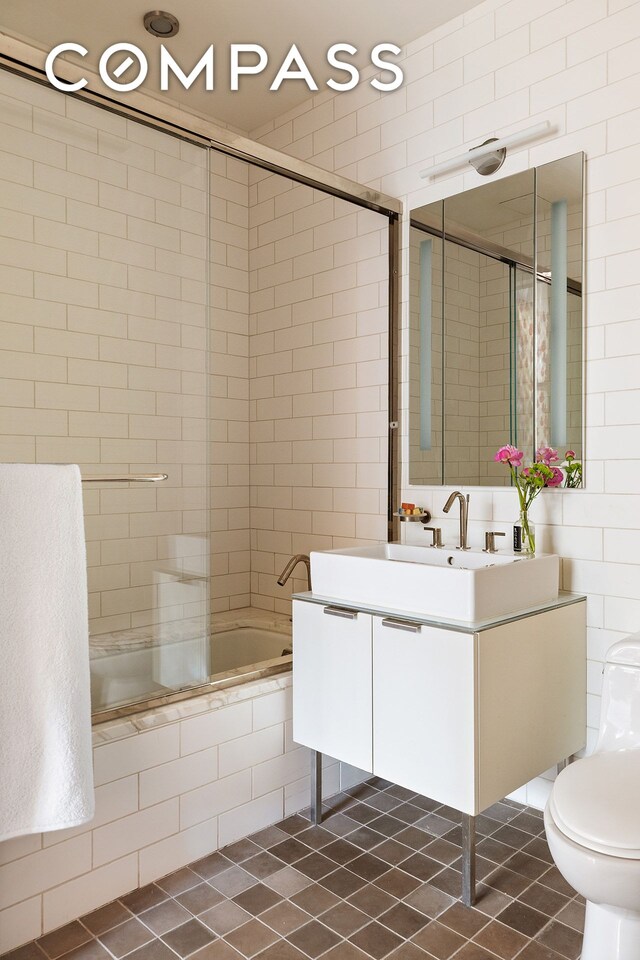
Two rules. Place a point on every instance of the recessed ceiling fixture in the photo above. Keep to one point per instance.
(161, 24)
(490, 155)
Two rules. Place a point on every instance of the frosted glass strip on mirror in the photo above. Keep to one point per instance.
(426, 377)
(558, 320)
(559, 360)
(426, 247)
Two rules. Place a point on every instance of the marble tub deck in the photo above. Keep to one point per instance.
(238, 684)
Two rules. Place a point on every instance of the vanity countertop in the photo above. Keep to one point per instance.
(460, 626)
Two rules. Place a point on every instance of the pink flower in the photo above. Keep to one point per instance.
(547, 455)
(557, 478)
(509, 454)
(570, 455)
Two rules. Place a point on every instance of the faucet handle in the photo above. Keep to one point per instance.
(490, 541)
(436, 536)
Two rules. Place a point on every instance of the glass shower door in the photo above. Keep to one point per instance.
(103, 284)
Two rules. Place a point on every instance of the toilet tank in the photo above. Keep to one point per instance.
(620, 710)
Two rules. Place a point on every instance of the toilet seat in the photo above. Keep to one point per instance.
(596, 803)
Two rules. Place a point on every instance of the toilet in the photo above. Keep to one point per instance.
(592, 818)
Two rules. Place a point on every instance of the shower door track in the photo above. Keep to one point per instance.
(21, 58)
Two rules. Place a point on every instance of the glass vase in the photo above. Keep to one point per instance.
(524, 540)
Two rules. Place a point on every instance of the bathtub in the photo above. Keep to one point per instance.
(244, 646)
(134, 670)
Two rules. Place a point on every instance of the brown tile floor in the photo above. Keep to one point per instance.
(379, 879)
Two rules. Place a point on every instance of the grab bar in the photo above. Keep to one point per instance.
(130, 478)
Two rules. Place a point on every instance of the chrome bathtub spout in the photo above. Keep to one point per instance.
(290, 567)
(464, 515)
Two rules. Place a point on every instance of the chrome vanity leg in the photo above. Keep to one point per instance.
(468, 860)
(316, 787)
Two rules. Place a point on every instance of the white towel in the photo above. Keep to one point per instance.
(46, 774)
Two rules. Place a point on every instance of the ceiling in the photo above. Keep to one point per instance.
(275, 25)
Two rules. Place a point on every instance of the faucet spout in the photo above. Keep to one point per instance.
(290, 566)
(464, 515)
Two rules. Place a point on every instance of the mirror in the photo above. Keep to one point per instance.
(496, 329)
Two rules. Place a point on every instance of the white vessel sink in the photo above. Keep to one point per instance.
(467, 585)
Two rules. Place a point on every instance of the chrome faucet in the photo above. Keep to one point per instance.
(290, 567)
(464, 516)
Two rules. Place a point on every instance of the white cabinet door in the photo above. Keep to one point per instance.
(424, 720)
(332, 696)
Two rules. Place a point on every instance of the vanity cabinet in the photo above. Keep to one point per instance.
(463, 715)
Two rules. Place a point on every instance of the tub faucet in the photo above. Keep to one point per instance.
(290, 567)
(464, 516)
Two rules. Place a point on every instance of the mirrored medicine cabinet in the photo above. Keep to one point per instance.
(496, 325)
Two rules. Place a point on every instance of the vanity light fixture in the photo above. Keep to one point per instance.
(161, 24)
(490, 155)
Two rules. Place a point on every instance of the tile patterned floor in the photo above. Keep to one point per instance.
(379, 880)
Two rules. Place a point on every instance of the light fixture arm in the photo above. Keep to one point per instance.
(492, 146)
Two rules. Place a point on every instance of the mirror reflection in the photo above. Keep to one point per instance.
(496, 325)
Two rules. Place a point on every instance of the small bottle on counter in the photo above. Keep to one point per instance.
(517, 537)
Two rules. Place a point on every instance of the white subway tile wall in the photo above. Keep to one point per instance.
(499, 68)
(229, 384)
(298, 375)
(318, 378)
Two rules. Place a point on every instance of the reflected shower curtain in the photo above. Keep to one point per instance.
(543, 367)
(523, 371)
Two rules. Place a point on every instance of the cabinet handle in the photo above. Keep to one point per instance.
(341, 612)
(402, 625)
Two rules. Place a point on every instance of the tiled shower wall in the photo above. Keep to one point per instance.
(502, 67)
(229, 383)
(318, 378)
(299, 286)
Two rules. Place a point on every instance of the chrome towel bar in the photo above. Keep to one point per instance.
(130, 478)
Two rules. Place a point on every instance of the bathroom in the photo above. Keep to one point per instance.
(231, 317)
